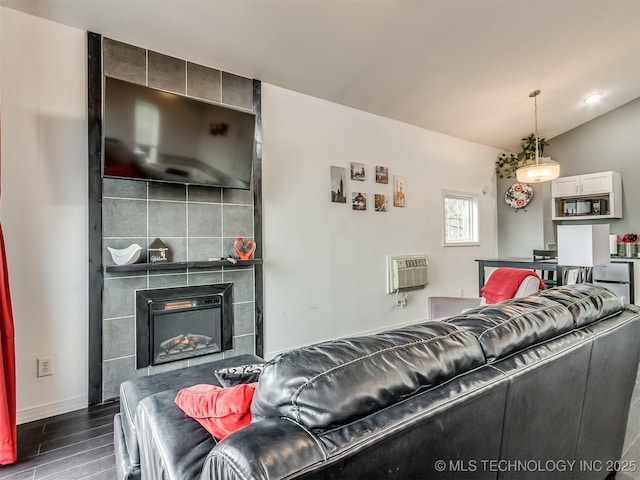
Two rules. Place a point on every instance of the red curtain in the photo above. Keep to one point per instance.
(8, 450)
(8, 443)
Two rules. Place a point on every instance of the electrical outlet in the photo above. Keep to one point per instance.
(45, 366)
(461, 292)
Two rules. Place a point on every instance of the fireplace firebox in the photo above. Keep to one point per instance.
(184, 322)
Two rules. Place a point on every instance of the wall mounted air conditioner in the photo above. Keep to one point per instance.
(407, 271)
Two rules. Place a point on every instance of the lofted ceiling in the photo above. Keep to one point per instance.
(460, 67)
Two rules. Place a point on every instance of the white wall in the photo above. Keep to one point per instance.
(43, 211)
(325, 264)
(520, 231)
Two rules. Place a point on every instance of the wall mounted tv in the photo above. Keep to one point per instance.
(154, 135)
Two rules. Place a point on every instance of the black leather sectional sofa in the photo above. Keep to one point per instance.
(530, 388)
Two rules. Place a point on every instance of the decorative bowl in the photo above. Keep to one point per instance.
(125, 256)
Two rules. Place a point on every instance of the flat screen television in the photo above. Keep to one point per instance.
(154, 135)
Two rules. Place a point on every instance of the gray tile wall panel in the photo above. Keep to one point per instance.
(243, 314)
(124, 61)
(242, 344)
(205, 248)
(167, 73)
(167, 280)
(167, 219)
(119, 295)
(244, 197)
(237, 221)
(124, 217)
(204, 194)
(116, 371)
(118, 337)
(167, 191)
(237, 91)
(117, 187)
(242, 284)
(203, 82)
(204, 278)
(205, 220)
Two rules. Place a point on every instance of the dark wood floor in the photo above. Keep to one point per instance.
(73, 446)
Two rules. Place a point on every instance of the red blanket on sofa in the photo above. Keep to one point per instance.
(504, 283)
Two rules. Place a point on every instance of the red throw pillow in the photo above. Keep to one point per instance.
(220, 410)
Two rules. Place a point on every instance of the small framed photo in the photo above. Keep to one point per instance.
(358, 172)
(399, 191)
(380, 202)
(358, 201)
(338, 184)
(382, 174)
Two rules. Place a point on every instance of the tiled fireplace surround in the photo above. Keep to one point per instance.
(197, 223)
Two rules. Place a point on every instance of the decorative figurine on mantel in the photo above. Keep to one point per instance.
(158, 252)
(125, 256)
(243, 249)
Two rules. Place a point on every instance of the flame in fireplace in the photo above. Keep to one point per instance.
(185, 343)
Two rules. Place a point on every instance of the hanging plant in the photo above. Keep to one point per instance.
(529, 148)
(507, 163)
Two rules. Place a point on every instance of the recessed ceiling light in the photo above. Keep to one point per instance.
(593, 98)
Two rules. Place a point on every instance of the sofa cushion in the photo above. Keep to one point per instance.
(231, 376)
(220, 410)
(514, 325)
(328, 384)
(586, 302)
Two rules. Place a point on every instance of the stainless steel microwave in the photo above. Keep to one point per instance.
(577, 207)
(583, 207)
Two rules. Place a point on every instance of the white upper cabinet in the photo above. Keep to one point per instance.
(597, 183)
(589, 184)
(581, 197)
(565, 186)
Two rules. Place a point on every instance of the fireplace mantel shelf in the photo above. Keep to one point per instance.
(136, 267)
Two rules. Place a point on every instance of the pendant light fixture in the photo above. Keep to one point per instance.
(539, 171)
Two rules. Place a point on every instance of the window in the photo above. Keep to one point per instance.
(460, 219)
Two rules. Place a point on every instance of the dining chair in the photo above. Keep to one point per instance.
(548, 276)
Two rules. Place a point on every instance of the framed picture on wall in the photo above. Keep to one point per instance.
(399, 191)
(358, 172)
(382, 174)
(338, 184)
(380, 202)
(359, 201)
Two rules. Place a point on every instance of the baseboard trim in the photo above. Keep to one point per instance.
(51, 409)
